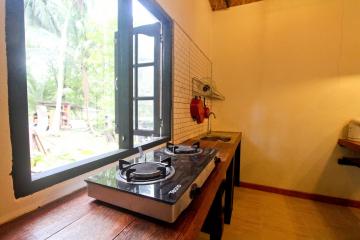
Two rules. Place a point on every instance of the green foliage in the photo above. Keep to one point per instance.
(88, 68)
(86, 152)
(89, 60)
(35, 160)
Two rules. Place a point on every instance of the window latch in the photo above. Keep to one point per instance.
(161, 123)
(161, 38)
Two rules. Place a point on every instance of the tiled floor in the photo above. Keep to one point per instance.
(261, 215)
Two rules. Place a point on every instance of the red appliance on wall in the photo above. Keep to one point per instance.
(198, 109)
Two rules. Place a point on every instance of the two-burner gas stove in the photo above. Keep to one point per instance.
(159, 184)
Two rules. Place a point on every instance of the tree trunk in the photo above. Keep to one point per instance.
(86, 93)
(56, 118)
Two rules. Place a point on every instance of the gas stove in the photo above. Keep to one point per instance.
(159, 184)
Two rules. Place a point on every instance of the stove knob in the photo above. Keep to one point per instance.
(195, 190)
(171, 195)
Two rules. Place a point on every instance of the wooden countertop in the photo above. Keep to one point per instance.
(78, 216)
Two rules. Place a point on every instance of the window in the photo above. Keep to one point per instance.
(88, 83)
(146, 75)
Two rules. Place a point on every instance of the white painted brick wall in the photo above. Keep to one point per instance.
(189, 62)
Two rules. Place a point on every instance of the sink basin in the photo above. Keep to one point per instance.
(216, 138)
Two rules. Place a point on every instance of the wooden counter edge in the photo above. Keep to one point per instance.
(209, 190)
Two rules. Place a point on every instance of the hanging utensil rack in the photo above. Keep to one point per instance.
(203, 87)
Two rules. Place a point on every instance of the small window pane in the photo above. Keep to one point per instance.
(134, 115)
(141, 16)
(146, 115)
(134, 49)
(146, 81)
(134, 82)
(145, 48)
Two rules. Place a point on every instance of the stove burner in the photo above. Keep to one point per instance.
(173, 149)
(145, 172)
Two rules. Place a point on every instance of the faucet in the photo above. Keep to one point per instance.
(209, 122)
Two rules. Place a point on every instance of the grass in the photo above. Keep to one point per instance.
(69, 146)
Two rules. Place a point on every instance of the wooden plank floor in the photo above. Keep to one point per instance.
(262, 215)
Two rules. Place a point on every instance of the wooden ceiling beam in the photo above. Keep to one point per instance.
(223, 4)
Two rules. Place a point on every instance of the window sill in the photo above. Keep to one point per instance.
(40, 181)
(37, 176)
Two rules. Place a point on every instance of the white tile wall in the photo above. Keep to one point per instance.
(189, 62)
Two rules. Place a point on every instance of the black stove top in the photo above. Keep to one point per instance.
(179, 172)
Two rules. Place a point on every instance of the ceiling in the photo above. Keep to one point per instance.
(223, 4)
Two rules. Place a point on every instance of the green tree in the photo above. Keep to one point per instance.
(78, 50)
(55, 17)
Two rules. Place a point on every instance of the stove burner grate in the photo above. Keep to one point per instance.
(145, 172)
(173, 149)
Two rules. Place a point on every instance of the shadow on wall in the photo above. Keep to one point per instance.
(271, 170)
(331, 221)
(337, 222)
(332, 179)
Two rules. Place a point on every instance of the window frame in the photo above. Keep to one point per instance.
(23, 181)
(149, 30)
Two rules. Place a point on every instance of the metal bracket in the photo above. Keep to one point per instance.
(349, 161)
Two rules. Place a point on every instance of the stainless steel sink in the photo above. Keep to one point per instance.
(216, 138)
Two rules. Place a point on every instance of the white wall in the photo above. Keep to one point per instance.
(195, 17)
(290, 71)
(190, 15)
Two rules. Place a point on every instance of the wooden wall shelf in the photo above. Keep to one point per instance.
(352, 145)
